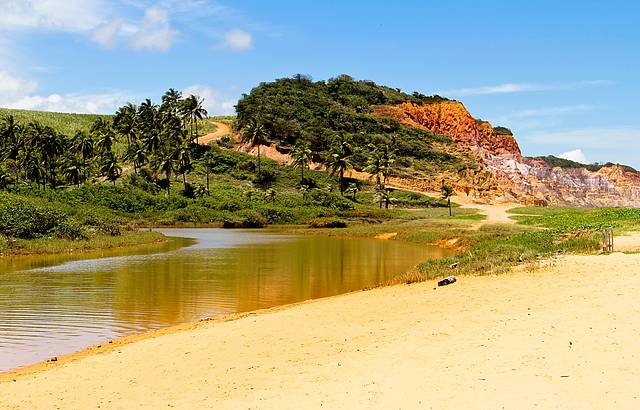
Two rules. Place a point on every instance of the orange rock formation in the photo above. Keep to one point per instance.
(517, 178)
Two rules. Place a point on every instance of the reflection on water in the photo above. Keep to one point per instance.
(55, 305)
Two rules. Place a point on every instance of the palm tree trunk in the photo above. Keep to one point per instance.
(342, 181)
(449, 203)
(259, 171)
(184, 180)
(196, 121)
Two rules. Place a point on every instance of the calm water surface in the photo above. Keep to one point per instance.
(60, 304)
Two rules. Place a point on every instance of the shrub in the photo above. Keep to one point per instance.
(327, 223)
(69, 229)
(26, 219)
(245, 219)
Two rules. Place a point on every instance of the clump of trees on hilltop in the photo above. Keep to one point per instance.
(158, 138)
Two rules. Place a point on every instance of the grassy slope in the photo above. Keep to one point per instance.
(68, 124)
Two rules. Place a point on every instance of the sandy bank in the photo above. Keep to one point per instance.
(562, 337)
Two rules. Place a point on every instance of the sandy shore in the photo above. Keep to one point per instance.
(565, 336)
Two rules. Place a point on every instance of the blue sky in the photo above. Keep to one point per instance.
(562, 75)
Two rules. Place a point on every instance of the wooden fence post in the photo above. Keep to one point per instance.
(607, 240)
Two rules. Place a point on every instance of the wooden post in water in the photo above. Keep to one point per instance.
(607, 240)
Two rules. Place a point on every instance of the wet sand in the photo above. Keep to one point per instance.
(564, 336)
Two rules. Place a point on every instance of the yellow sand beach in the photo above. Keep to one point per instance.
(564, 336)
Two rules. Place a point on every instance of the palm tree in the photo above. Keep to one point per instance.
(164, 162)
(447, 191)
(339, 159)
(148, 125)
(374, 164)
(353, 190)
(255, 134)
(136, 154)
(301, 155)
(171, 99)
(83, 144)
(192, 111)
(51, 146)
(271, 194)
(388, 159)
(10, 133)
(73, 170)
(208, 162)
(103, 133)
(183, 160)
(110, 168)
(126, 122)
(384, 195)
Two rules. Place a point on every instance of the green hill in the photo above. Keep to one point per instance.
(297, 108)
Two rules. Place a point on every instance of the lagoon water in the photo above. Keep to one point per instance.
(54, 305)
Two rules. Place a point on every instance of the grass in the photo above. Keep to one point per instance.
(52, 245)
(65, 123)
(69, 124)
(492, 249)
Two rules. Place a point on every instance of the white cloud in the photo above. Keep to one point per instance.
(94, 18)
(237, 40)
(214, 101)
(509, 88)
(575, 155)
(106, 34)
(14, 87)
(91, 103)
(18, 92)
(154, 31)
(67, 15)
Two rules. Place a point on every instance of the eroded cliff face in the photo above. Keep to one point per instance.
(512, 176)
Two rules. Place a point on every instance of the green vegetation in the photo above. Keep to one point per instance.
(143, 165)
(63, 123)
(541, 232)
(326, 114)
(554, 161)
(502, 130)
(87, 181)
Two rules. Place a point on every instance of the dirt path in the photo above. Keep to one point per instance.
(222, 130)
(562, 337)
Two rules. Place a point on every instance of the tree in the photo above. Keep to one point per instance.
(103, 133)
(447, 191)
(110, 168)
(255, 134)
(384, 196)
(51, 146)
(353, 190)
(126, 122)
(171, 100)
(136, 154)
(339, 159)
(208, 162)
(165, 164)
(301, 155)
(73, 169)
(271, 194)
(183, 161)
(192, 110)
(83, 144)
(374, 164)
